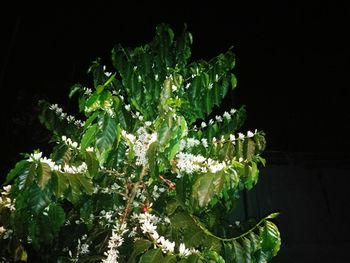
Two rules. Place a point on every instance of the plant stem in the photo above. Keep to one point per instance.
(133, 194)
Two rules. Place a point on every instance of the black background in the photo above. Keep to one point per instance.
(292, 66)
(292, 61)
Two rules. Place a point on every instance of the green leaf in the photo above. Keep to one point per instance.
(238, 252)
(85, 182)
(206, 187)
(44, 174)
(57, 217)
(252, 175)
(74, 89)
(37, 199)
(27, 175)
(164, 133)
(88, 137)
(152, 158)
(16, 171)
(140, 246)
(75, 187)
(92, 163)
(62, 154)
(270, 238)
(61, 183)
(152, 256)
(107, 130)
(169, 259)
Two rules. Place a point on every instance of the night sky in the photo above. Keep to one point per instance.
(292, 63)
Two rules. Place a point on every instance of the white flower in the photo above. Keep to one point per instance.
(148, 123)
(203, 124)
(183, 251)
(108, 73)
(148, 227)
(89, 149)
(204, 142)
(115, 241)
(187, 85)
(227, 115)
(191, 142)
(141, 145)
(70, 118)
(49, 162)
(216, 77)
(155, 235)
(166, 245)
(87, 91)
(232, 111)
(211, 122)
(210, 86)
(35, 156)
(53, 107)
(127, 107)
(215, 166)
(241, 136)
(218, 118)
(189, 163)
(7, 189)
(232, 137)
(173, 88)
(250, 134)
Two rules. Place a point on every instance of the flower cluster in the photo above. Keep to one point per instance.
(37, 157)
(5, 233)
(148, 227)
(189, 163)
(140, 143)
(70, 142)
(5, 200)
(115, 241)
(64, 116)
(218, 118)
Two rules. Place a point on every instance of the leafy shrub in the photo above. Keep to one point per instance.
(148, 176)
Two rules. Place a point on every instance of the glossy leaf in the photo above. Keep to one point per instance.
(16, 171)
(88, 137)
(271, 240)
(44, 174)
(206, 187)
(26, 176)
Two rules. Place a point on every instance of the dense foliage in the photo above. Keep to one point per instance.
(148, 176)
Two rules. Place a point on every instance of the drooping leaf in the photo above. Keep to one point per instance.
(271, 240)
(26, 176)
(206, 187)
(44, 174)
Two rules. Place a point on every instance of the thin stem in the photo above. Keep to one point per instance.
(133, 194)
(131, 199)
(206, 231)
